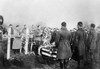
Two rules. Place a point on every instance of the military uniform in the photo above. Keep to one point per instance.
(80, 38)
(2, 47)
(1, 39)
(74, 46)
(64, 51)
(92, 38)
(97, 55)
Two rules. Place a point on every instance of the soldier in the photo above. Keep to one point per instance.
(1, 47)
(17, 40)
(80, 37)
(37, 38)
(24, 30)
(32, 30)
(98, 45)
(92, 38)
(73, 45)
(31, 39)
(63, 41)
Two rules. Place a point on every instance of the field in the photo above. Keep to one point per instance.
(31, 61)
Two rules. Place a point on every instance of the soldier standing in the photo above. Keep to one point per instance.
(17, 40)
(80, 38)
(63, 41)
(98, 46)
(92, 38)
(23, 32)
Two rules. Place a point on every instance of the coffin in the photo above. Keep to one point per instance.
(48, 51)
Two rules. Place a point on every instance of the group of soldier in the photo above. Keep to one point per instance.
(86, 44)
(35, 34)
(80, 44)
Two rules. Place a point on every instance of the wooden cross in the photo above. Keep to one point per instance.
(9, 36)
(8, 43)
(27, 40)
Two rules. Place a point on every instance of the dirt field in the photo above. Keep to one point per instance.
(31, 62)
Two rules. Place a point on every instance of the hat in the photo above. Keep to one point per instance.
(63, 24)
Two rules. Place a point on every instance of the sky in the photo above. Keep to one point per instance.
(50, 12)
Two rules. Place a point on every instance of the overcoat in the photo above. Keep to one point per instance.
(64, 49)
(98, 42)
(1, 44)
(80, 37)
(97, 54)
(92, 38)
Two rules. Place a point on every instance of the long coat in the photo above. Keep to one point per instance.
(64, 50)
(97, 54)
(92, 38)
(80, 38)
(98, 42)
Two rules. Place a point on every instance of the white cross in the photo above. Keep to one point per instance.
(8, 44)
(9, 36)
(27, 40)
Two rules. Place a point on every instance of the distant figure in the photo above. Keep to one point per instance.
(98, 45)
(92, 38)
(1, 42)
(17, 45)
(80, 38)
(74, 45)
(24, 30)
(32, 30)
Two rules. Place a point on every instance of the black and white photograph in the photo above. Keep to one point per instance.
(49, 34)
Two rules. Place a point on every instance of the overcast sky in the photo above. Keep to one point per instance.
(50, 12)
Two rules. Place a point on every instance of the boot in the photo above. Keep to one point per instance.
(81, 64)
(61, 64)
(66, 63)
(78, 67)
